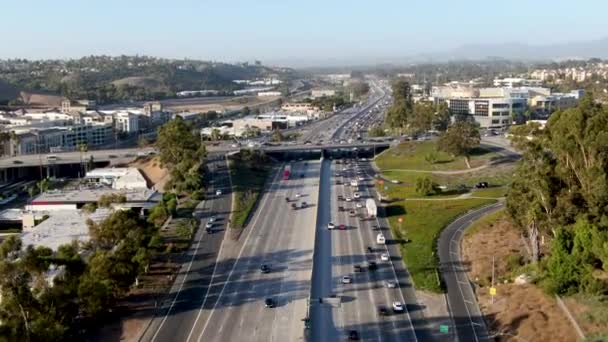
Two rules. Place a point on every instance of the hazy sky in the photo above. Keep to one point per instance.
(285, 31)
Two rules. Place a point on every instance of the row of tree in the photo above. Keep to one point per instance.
(183, 154)
(560, 192)
(407, 117)
(89, 279)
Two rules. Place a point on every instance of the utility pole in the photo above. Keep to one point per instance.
(492, 294)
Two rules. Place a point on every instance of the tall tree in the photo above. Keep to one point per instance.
(459, 139)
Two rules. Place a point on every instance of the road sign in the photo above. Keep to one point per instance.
(444, 329)
(492, 291)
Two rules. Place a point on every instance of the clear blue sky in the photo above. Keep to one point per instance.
(284, 30)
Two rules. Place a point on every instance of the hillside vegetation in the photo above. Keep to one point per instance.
(106, 79)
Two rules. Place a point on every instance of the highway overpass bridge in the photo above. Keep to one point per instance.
(71, 164)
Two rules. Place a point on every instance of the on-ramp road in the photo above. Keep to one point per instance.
(468, 320)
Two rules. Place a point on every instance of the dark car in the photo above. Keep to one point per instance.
(338, 182)
(112, 156)
(209, 230)
(340, 198)
(340, 208)
(383, 310)
(286, 199)
(357, 268)
(481, 185)
(294, 206)
(370, 249)
(269, 303)
(17, 162)
(265, 268)
(301, 175)
(372, 266)
(304, 205)
(353, 335)
(375, 227)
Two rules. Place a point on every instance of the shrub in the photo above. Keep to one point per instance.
(425, 186)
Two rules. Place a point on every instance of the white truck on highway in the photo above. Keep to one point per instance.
(380, 239)
(372, 208)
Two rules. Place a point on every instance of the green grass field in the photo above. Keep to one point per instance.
(422, 223)
(247, 184)
(411, 155)
(493, 192)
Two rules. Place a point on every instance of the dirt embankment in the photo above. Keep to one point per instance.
(518, 312)
(152, 171)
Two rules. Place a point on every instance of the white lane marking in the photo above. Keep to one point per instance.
(235, 263)
(182, 282)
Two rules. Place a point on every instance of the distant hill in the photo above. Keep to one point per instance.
(7, 92)
(516, 51)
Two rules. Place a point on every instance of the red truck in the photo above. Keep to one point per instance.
(286, 172)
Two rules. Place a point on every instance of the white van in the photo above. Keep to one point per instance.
(380, 239)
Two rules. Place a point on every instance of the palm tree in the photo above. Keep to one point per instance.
(82, 148)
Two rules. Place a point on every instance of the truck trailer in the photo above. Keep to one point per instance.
(286, 172)
(372, 209)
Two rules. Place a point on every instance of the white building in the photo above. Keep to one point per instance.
(126, 122)
(269, 93)
(60, 228)
(512, 82)
(322, 92)
(118, 178)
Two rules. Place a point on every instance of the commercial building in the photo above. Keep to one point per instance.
(301, 108)
(496, 107)
(61, 227)
(269, 93)
(117, 178)
(322, 92)
(511, 82)
(126, 122)
(75, 199)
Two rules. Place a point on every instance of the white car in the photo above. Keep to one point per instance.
(397, 306)
(391, 284)
(212, 219)
(209, 225)
(361, 178)
(357, 195)
(359, 205)
(347, 280)
(331, 225)
(218, 192)
(395, 181)
(298, 195)
(385, 257)
(348, 199)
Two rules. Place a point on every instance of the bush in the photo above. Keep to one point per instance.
(198, 195)
(426, 187)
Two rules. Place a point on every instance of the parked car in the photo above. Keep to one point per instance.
(481, 185)
(372, 266)
(218, 192)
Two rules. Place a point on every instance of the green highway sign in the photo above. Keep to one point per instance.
(444, 329)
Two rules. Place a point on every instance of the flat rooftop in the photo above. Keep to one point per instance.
(62, 227)
(90, 195)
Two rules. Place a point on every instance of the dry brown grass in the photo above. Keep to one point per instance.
(519, 312)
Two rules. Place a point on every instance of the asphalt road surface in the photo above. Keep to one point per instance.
(354, 306)
(280, 237)
(176, 313)
(468, 320)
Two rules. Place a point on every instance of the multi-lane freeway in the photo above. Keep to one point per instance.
(349, 296)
